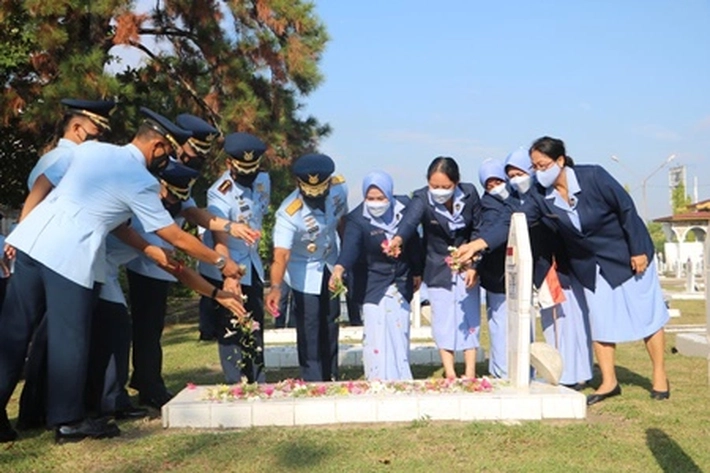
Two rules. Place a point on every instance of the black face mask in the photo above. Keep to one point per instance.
(173, 208)
(91, 137)
(317, 202)
(195, 162)
(244, 180)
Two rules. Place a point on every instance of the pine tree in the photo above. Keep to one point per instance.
(243, 65)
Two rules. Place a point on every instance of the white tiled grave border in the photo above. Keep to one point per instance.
(540, 401)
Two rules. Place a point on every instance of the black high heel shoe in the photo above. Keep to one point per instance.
(661, 395)
(595, 398)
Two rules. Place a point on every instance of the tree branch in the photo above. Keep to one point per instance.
(167, 32)
(216, 118)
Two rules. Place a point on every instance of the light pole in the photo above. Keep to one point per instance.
(645, 179)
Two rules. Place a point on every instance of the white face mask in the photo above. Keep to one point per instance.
(377, 208)
(521, 183)
(500, 191)
(441, 196)
(548, 177)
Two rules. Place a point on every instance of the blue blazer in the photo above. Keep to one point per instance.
(611, 229)
(495, 226)
(437, 235)
(362, 241)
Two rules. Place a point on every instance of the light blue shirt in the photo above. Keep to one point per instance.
(146, 266)
(229, 200)
(117, 254)
(455, 218)
(103, 187)
(572, 189)
(62, 153)
(311, 236)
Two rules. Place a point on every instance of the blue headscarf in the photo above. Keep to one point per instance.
(519, 159)
(491, 168)
(383, 182)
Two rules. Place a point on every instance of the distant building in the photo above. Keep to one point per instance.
(676, 227)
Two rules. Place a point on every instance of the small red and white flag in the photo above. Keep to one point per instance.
(551, 293)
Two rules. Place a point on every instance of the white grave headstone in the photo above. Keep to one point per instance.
(518, 293)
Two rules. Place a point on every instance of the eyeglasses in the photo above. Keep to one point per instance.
(544, 167)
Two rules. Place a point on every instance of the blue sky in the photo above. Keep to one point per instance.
(406, 81)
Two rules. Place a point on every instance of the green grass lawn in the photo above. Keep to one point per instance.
(628, 433)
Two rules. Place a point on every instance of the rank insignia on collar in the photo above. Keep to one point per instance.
(260, 187)
(225, 186)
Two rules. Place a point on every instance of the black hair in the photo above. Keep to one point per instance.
(551, 147)
(445, 165)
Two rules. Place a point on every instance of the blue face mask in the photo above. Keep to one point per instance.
(548, 177)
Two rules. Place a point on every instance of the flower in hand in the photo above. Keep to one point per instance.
(393, 247)
(453, 262)
(338, 288)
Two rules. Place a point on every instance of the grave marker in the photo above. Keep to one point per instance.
(518, 293)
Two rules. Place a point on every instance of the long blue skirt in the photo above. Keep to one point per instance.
(632, 311)
(497, 314)
(385, 339)
(570, 335)
(456, 315)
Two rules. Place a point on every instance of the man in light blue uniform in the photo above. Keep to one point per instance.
(306, 246)
(84, 120)
(240, 194)
(61, 257)
(148, 287)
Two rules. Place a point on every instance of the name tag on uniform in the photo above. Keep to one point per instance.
(434, 222)
(376, 232)
(244, 208)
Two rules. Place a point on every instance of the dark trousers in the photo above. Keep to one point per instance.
(3, 288)
(35, 290)
(317, 333)
(109, 355)
(285, 319)
(148, 300)
(33, 400)
(354, 310)
(238, 355)
(208, 314)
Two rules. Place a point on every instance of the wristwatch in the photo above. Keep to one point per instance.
(228, 227)
(221, 263)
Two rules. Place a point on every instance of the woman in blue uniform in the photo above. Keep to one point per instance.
(611, 253)
(566, 325)
(449, 212)
(388, 282)
(496, 212)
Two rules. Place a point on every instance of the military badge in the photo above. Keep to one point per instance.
(311, 247)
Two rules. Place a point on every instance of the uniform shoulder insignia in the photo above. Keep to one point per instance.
(337, 179)
(294, 207)
(225, 186)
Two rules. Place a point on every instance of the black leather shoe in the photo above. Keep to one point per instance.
(88, 428)
(576, 386)
(130, 412)
(156, 401)
(661, 395)
(595, 398)
(7, 433)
